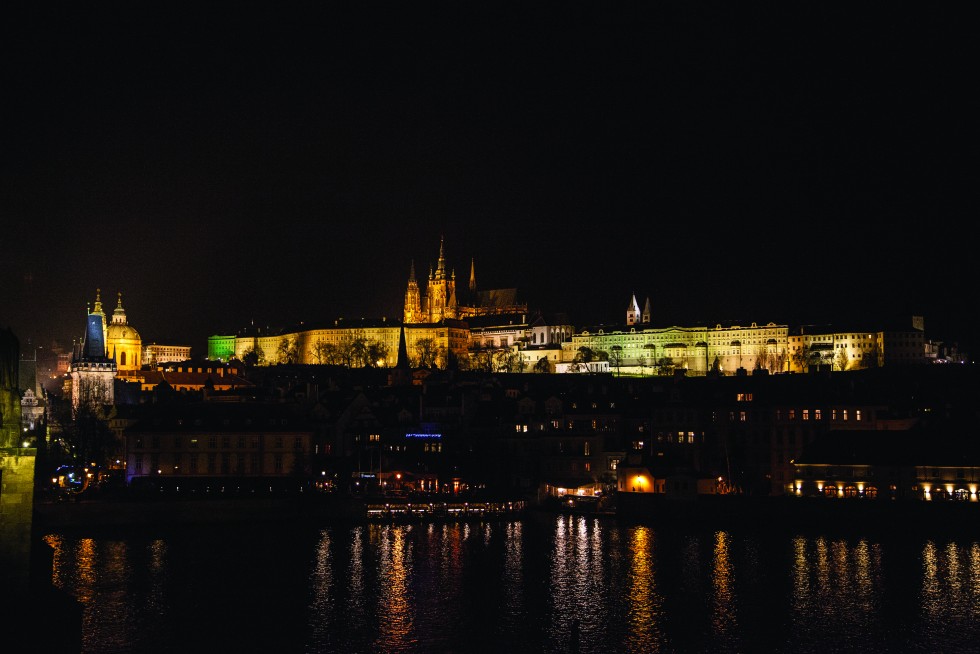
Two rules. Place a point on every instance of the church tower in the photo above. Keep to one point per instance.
(633, 312)
(647, 312)
(440, 290)
(91, 370)
(413, 305)
(123, 343)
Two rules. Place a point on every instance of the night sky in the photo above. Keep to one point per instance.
(229, 166)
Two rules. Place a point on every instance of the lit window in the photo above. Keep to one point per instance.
(806, 414)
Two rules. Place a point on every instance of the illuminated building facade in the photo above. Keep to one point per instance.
(441, 300)
(154, 354)
(123, 342)
(643, 349)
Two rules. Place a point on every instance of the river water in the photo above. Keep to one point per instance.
(545, 583)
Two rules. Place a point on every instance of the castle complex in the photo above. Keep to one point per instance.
(491, 330)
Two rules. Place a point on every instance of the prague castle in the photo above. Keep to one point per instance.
(491, 330)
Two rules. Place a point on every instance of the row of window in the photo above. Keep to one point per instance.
(208, 464)
(242, 442)
(871, 492)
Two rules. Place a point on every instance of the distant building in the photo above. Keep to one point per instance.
(156, 355)
(218, 447)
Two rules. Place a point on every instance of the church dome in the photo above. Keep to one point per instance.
(119, 328)
(123, 342)
(123, 332)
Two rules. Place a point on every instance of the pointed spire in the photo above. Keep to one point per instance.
(98, 301)
(647, 311)
(402, 361)
(411, 273)
(119, 315)
(472, 274)
(633, 311)
(441, 265)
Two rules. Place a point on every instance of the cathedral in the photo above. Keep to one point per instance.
(442, 301)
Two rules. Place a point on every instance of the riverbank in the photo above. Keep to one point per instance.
(803, 514)
(53, 516)
(108, 513)
(721, 512)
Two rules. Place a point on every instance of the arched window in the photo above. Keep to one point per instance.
(830, 490)
(850, 491)
(122, 359)
(871, 492)
(961, 495)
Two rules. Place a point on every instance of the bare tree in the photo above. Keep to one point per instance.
(585, 354)
(778, 359)
(377, 353)
(426, 353)
(506, 361)
(616, 356)
(872, 358)
(801, 358)
(287, 351)
(252, 356)
(353, 348)
(665, 366)
(841, 359)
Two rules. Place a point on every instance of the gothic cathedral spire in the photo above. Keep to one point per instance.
(413, 305)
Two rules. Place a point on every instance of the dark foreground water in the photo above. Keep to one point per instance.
(518, 587)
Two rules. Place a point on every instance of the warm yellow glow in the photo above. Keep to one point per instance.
(820, 486)
(860, 486)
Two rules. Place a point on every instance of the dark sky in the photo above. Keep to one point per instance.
(786, 162)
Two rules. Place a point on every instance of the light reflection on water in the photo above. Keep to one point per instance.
(519, 587)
